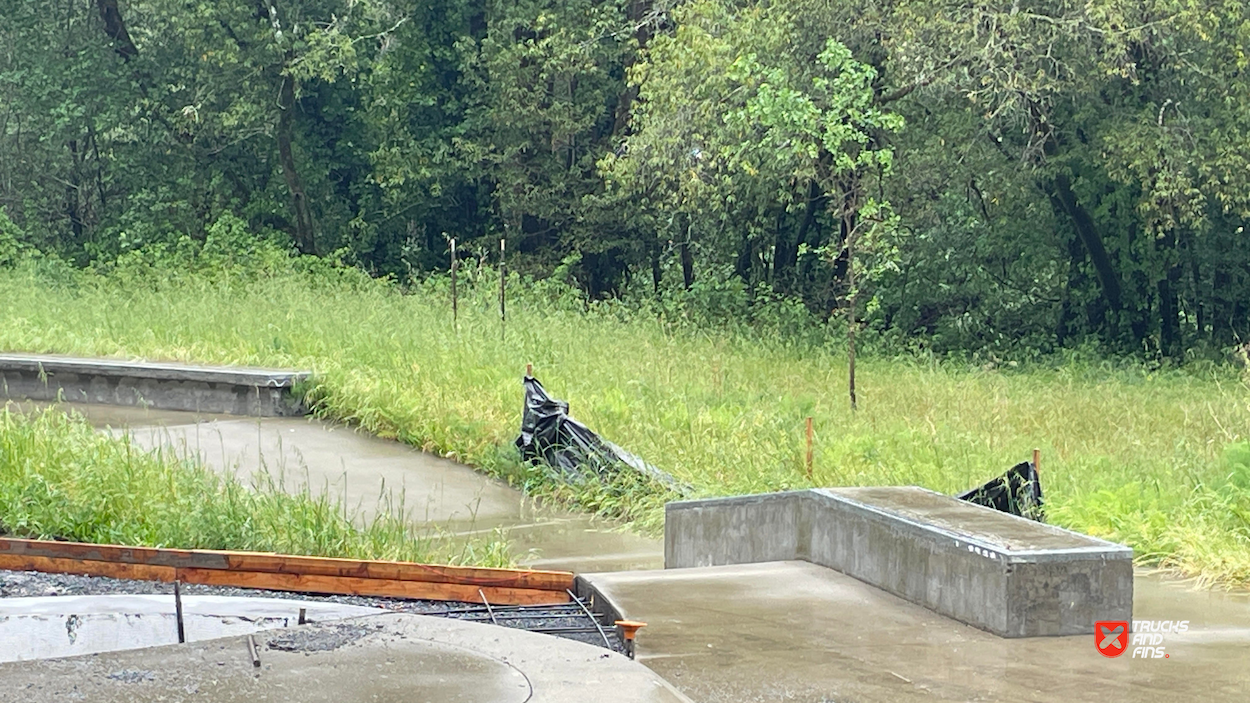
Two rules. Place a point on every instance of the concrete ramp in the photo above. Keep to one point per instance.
(1005, 574)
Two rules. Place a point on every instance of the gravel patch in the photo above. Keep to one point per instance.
(325, 638)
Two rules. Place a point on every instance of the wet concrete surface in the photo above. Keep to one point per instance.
(369, 474)
(388, 658)
(64, 626)
(794, 631)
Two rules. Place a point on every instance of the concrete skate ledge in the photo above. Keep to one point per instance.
(230, 389)
(1001, 573)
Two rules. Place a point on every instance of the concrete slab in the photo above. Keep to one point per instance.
(368, 473)
(63, 626)
(233, 390)
(1005, 574)
(386, 658)
(795, 631)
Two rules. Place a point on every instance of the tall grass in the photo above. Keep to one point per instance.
(1143, 456)
(59, 479)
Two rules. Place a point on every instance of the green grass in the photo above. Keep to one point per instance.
(1153, 458)
(59, 479)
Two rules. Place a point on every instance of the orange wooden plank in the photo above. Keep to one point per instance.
(401, 571)
(86, 567)
(277, 563)
(387, 588)
(113, 553)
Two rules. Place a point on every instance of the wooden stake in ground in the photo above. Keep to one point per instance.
(809, 449)
(455, 265)
(1037, 461)
(503, 279)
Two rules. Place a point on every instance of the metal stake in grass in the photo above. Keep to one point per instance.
(503, 278)
(455, 265)
(809, 449)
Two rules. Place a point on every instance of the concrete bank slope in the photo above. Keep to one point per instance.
(797, 632)
(232, 390)
(393, 658)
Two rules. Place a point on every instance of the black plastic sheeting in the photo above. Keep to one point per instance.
(550, 435)
(1019, 492)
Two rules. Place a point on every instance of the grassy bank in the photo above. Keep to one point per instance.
(1155, 459)
(60, 479)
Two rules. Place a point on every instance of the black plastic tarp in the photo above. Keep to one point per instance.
(1019, 492)
(550, 435)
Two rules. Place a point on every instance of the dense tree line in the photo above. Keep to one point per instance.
(961, 174)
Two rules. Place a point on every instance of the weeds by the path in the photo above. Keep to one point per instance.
(61, 479)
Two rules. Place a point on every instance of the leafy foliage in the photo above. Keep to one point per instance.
(1027, 177)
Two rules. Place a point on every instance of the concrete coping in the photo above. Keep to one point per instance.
(922, 511)
(1010, 537)
(159, 371)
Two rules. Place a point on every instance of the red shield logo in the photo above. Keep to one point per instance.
(1111, 637)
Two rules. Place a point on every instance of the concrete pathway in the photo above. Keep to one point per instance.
(392, 658)
(794, 631)
(368, 473)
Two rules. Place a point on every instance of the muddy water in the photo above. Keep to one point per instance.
(369, 474)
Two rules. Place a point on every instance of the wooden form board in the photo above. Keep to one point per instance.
(392, 579)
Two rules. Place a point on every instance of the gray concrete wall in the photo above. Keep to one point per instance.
(227, 390)
(733, 530)
(1001, 573)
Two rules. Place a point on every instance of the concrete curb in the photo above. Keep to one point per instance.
(229, 390)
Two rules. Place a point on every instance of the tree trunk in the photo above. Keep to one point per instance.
(1169, 308)
(304, 238)
(786, 253)
(687, 265)
(848, 220)
(638, 10)
(115, 28)
(657, 274)
(1085, 229)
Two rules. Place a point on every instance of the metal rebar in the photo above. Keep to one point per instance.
(489, 611)
(182, 635)
(253, 650)
(550, 630)
(606, 642)
(502, 608)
